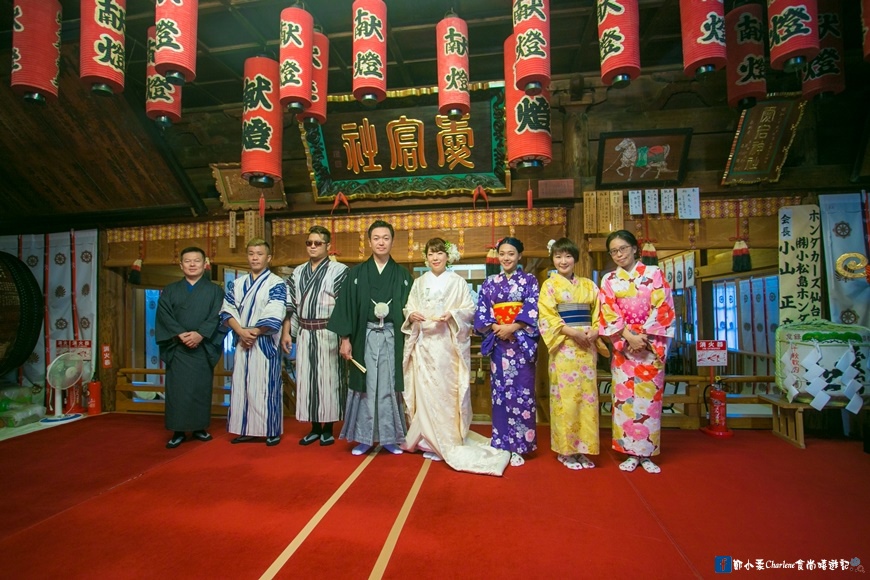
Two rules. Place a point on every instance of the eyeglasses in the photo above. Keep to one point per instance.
(620, 251)
(314, 243)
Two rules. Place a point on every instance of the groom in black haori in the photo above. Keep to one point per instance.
(190, 340)
(368, 315)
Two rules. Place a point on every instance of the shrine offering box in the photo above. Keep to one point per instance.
(823, 363)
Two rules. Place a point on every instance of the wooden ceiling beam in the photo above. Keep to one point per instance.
(197, 206)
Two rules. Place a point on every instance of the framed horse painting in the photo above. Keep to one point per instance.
(642, 158)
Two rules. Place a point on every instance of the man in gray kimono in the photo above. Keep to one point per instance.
(190, 340)
(367, 316)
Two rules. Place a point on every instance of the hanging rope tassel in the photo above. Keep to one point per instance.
(262, 206)
(492, 265)
(648, 253)
(529, 196)
(135, 274)
(479, 192)
(741, 261)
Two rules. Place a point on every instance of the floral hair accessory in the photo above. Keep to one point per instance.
(550, 245)
(452, 252)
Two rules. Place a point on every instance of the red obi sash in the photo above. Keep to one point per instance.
(506, 312)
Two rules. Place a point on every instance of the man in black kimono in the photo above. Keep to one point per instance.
(368, 317)
(190, 340)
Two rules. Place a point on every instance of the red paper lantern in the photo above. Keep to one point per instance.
(35, 49)
(865, 26)
(532, 34)
(297, 43)
(451, 40)
(825, 74)
(744, 41)
(319, 80)
(794, 33)
(102, 57)
(703, 31)
(369, 51)
(618, 38)
(175, 57)
(162, 98)
(262, 122)
(527, 119)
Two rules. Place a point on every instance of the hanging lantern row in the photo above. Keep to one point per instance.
(744, 43)
(703, 32)
(162, 98)
(527, 119)
(36, 49)
(794, 33)
(824, 75)
(865, 27)
(532, 33)
(101, 54)
(319, 80)
(262, 122)
(451, 40)
(175, 53)
(618, 38)
(295, 49)
(369, 51)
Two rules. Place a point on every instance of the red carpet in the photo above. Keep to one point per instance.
(103, 498)
(49, 471)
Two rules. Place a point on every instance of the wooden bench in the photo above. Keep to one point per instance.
(788, 418)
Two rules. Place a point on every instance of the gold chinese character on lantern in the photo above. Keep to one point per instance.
(455, 140)
(406, 144)
(361, 146)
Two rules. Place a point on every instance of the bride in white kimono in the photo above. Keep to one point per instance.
(437, 369)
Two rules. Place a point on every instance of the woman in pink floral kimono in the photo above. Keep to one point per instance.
(637, 314)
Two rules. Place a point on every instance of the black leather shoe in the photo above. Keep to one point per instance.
(175, 441)
(271, 441)
(242, 439)
(309, 439)
(202, 435)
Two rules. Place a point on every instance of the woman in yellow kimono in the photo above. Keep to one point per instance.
(568, 322)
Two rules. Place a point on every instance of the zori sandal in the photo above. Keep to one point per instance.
(629, 464)
(649, 466)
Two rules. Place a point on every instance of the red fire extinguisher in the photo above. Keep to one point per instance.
(95, 400)
(718, 412)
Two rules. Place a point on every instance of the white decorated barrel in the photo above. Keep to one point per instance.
(823, 361)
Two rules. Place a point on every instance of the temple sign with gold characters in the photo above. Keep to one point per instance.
(410, 149)
(406, 138)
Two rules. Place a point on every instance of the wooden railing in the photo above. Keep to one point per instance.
(682, 408)
(683, 399)
(127, 401)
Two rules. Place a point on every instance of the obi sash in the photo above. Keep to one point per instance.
(575, 314)
(506, 312)
(313, 323)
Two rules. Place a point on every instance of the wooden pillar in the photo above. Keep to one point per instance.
(111, 308)
(575, 144)
(576, 165)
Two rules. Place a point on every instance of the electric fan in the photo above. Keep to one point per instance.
(63, 373)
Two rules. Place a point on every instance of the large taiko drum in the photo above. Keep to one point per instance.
(21, 312)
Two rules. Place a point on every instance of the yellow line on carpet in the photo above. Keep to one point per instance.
(315, 519)
(393, 537)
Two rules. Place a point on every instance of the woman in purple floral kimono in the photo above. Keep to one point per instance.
(507, 317)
